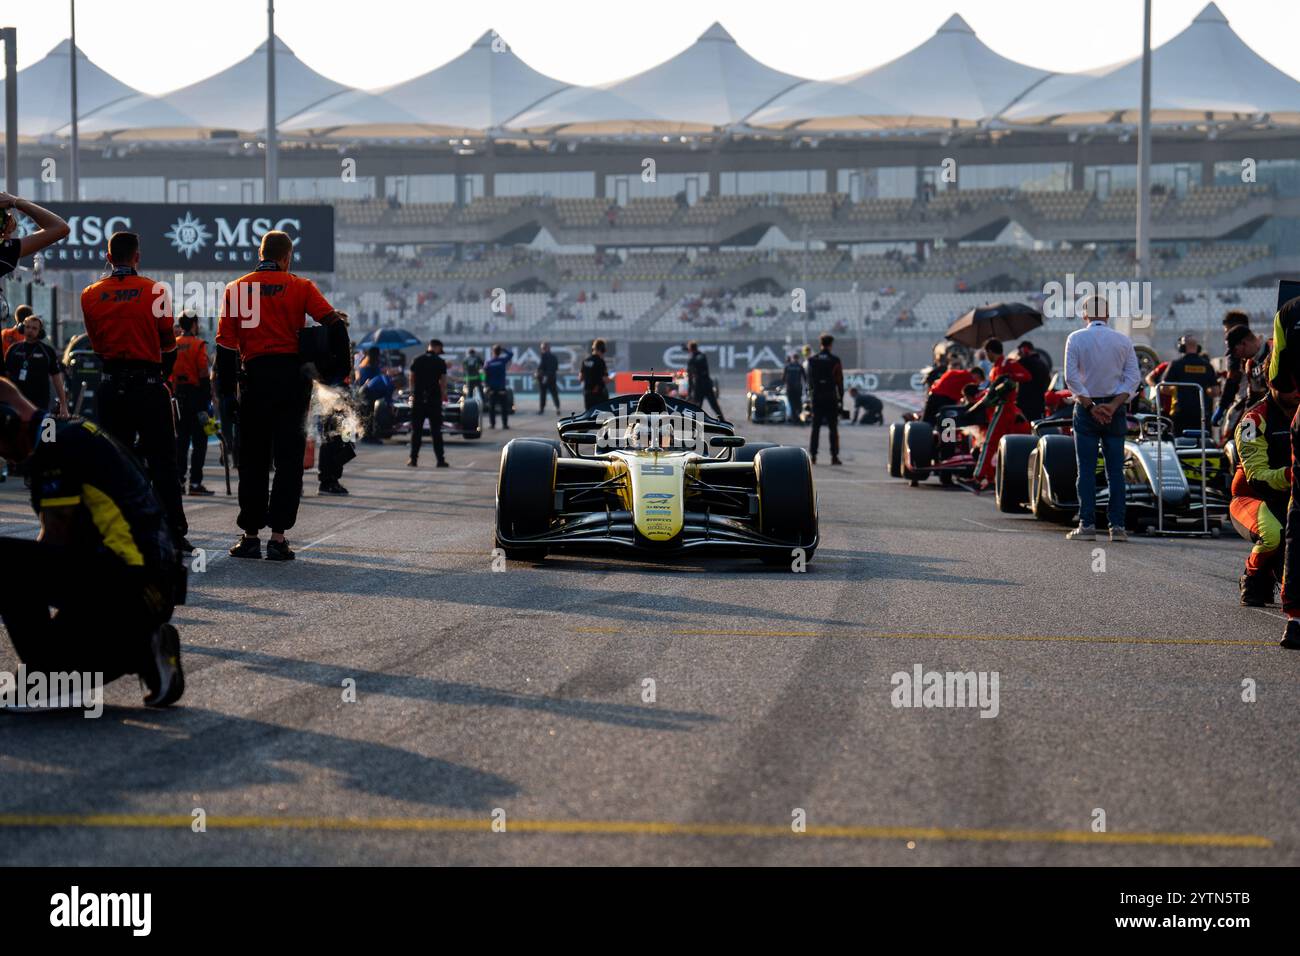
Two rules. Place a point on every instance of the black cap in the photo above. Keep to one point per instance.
(1235, 336)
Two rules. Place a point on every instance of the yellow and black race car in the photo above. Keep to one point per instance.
(654, 474)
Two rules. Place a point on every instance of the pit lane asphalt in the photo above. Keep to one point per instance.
(523, 691)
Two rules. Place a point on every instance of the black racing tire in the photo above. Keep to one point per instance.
(525, 495)
(787, 500)
(471, 419)
(918, 444)
(749, 451)
(758, 409)
(895, 450)
(382, 419)
(1011, 474)
(561, 449)
(1056, 465)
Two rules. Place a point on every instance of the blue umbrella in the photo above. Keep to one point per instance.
(389, 339)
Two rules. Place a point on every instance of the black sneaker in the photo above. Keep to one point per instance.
(412, 463)
(332, 488)
(278, 551)
(248, 546)
(1291, 636)
(442, 463)
(813, 459)
(183, 544)
(835, 460)
(163, 675)
(200, 491)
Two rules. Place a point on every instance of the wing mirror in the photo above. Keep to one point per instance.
(726, 441)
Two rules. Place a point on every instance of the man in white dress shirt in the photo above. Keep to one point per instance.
(1101, 372)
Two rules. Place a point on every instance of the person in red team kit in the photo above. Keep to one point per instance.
(1005, 417)
(948, 390)
(262, 314)
(129, 321)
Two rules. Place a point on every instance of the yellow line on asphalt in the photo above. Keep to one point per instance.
(1049, 638)
(636, 828)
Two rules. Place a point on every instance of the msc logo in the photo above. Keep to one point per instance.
(188, 235)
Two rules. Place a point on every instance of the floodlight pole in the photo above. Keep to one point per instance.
(271, 188)
(9, 36)
(1143, 265)
(74, 175)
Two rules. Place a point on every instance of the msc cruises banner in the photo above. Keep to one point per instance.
(198, 236)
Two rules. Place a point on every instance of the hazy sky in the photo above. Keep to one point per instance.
(159, 45)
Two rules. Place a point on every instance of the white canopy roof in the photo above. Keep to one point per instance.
(1205, 73)
(234, 99)
(710, 85)
(952, 79)
(479, 90)
(44, 100)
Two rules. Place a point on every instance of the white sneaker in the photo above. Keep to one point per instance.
(1118, 534)
(1082, 533)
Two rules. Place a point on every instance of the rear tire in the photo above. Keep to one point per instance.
(525, 495)
(1011, 477)
(895, 450)
(1057, 468)
(471, 419)
(918, 450)
(786, 499)
(749, 451)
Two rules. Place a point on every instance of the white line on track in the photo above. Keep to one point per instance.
(991, 527)
(345, 525)
(1280, 617)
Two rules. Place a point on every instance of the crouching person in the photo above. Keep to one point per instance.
(1260, 490)
(104, 559)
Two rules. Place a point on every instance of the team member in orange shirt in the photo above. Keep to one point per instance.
(261, 316)
(192, 385)
(15, 333)
(129, 321)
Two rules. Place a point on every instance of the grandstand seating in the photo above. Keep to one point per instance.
(646, 212)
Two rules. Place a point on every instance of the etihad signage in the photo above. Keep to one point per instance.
(192, 236)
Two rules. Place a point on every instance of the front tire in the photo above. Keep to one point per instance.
(525, 496)
(787, 500)
(1011, 477)
(895, 450)
(1057, 473)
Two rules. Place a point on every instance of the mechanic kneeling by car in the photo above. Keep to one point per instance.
(105, 557)
(1261, 488)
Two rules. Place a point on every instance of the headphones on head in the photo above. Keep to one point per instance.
(1182, 345)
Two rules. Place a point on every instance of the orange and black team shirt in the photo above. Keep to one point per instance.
(191, 366)
(128, 317)
(263, 312)
(11, 336)
(1264, 455)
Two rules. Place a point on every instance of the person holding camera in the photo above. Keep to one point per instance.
(49, 230)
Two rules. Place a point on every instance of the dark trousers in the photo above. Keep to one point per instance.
(702, 391)
(592, 396)
(828, 414)
(498, 399)
(137, 411)
(548, 388)
(795, 397)
(472, 387)
(191, 440)
(273, 401)
(230, 427)
(432, 413)
(334, 454)
(83, 587)
(1291, 536)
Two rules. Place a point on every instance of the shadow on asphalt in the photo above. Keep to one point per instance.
(457, 694)
(202, 752)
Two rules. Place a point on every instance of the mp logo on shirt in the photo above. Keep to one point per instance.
(102, 910)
